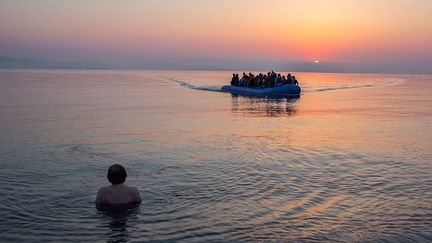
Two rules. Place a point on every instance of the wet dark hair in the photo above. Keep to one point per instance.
(116, 174)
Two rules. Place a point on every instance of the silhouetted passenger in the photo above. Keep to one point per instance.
(243, 80)
(249, 80)
(233, 80)
(294, 80)
(261, 83)
(252, 82)
(271, 79)
(257, 80)
(278, 80)
(290, 79)
(283, 80)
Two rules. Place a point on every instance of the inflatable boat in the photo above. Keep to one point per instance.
(287, 89)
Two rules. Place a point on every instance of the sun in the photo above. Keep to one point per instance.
(316, 61)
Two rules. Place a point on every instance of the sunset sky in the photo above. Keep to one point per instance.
(387, 34)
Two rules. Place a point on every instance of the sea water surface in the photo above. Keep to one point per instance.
(350, 160)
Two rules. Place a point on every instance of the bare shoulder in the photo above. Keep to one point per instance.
(131, 188)
(103, 189)
(135, 192)
(101, 194)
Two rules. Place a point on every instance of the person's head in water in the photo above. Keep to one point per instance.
(116, 174)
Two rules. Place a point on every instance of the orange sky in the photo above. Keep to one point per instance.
(273, 30)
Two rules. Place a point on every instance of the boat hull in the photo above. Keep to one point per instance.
(288, 89)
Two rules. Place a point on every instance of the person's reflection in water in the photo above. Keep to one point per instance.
(289, 107)
(118, 222)
(119, 202)
(263, 106)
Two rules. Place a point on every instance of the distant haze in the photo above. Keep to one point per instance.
(345, 36)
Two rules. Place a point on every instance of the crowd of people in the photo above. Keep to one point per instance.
(271, 79)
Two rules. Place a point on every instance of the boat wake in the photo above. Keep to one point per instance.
(216, 88)
(345, 87)
(305, 89)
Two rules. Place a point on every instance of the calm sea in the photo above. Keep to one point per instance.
(350, 160)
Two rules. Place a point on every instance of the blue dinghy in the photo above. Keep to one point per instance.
(287, 89)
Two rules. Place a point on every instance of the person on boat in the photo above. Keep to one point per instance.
(266, 81)
(236, 79)
(295, 80)
(262, 81)
(243, 80)
(289, 79)
(269, 80)
(233, 80)
(278, 80)
(283, 79)
(259, 80)
(250, 79)
(274, 76)
(273, 79)
(117, 193)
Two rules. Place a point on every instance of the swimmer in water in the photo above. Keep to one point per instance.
(117, 193)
